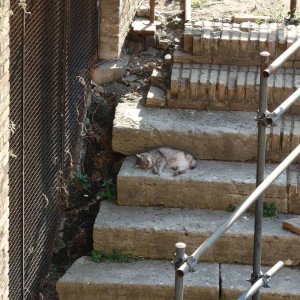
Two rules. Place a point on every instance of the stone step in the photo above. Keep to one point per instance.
(148, 279)
(229, 87)
(152, 279)
(151, 232)
(211, 185)
(213, 135)
(239, 44)
(156, 97)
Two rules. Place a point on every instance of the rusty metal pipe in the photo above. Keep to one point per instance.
(152, 11)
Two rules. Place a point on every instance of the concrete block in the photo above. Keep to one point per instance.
(156, 97)
(108, 71)
(143, 27)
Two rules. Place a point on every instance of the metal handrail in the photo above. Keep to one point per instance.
(264, 118)
(192, 260)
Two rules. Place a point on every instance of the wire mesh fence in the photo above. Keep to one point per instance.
(51, 43)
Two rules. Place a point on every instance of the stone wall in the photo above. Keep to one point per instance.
(4, 145)
(115, 19)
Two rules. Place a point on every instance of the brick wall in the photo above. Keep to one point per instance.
(4, 145)
(115, 19)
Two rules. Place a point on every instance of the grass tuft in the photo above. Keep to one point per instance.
(117, 256)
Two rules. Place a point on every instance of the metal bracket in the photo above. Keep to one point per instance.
(191, 263)
(177, 263)
(254, 277)
(265, 119)
(266, 278)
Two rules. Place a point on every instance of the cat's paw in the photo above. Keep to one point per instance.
(176, 173)
(155, 171)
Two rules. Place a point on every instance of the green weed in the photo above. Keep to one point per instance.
(198, 3)
(82, 182)
(117, 256)
(270, 209)
(230, 208)
(109, 191)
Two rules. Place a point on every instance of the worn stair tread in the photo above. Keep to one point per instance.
(141, 230)
(211, 185)
(225, 43)
(147, 279)
(284, 285)
(154, 279)
(228, 87)
(216, 135)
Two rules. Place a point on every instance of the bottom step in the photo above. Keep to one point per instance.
(148, 280)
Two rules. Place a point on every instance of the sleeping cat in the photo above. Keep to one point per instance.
(165, 157)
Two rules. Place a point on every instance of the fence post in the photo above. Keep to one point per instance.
(180, 258)
(260, 169)
(293, 6)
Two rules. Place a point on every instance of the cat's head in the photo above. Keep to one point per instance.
(143, 161)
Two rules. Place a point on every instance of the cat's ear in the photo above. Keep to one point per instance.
(139, 155)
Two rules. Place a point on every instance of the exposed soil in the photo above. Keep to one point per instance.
(226, 9)
(101, 163)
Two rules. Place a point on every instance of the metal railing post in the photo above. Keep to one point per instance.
(260, 170)
(180, 258)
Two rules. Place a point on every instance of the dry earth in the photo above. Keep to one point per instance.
(225, 9)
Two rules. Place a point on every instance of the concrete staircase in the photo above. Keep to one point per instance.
(216, 73)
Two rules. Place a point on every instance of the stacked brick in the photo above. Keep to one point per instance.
(115, 19)
(228, 87)
(4, 146)
(240, 44)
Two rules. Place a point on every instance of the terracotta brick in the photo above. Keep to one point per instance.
(116, 17)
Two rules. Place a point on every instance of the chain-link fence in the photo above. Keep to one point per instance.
(51, 44)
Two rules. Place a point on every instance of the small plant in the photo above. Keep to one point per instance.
(82, 182)
(230, 208)
(117, 256)
(109, 191)
(270, 209)
(198, 3)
